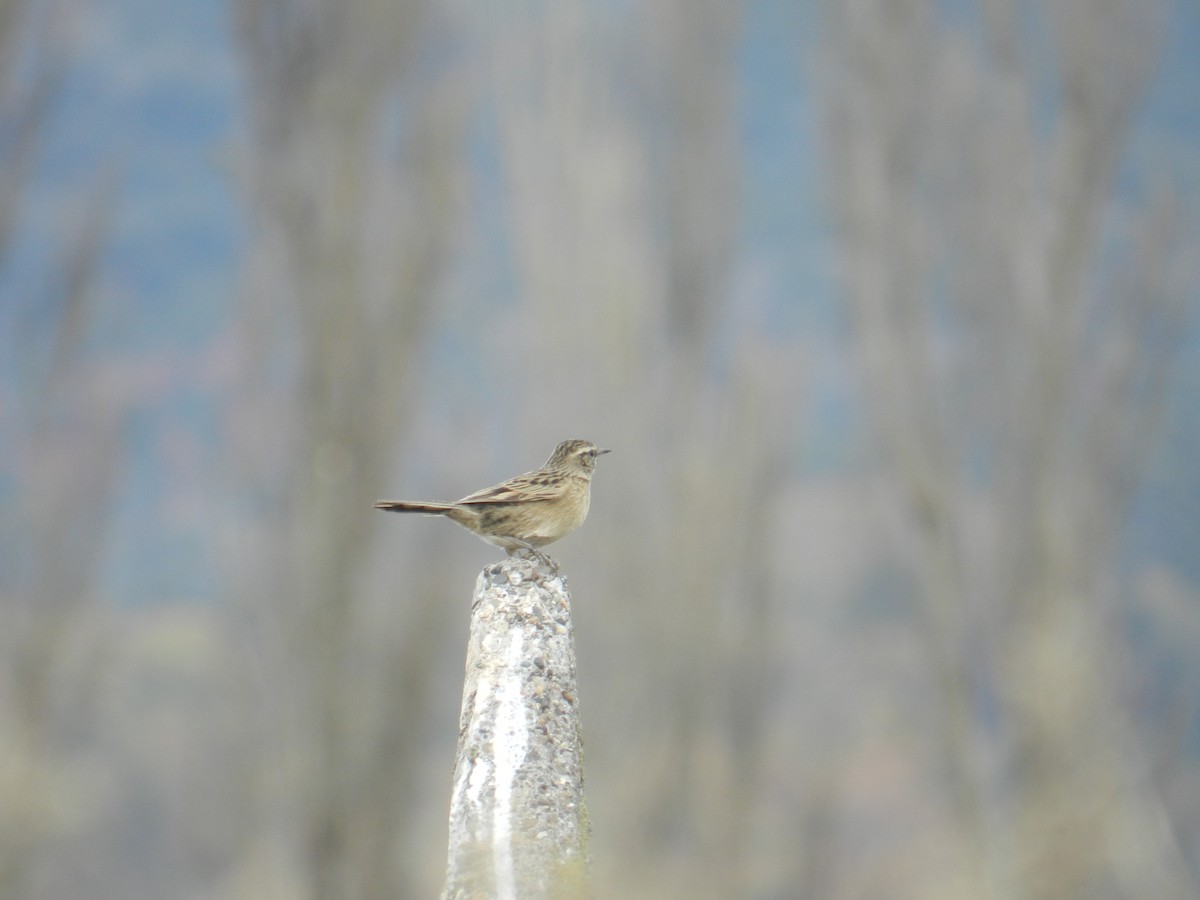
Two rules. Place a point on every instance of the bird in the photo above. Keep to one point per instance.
(527, 512)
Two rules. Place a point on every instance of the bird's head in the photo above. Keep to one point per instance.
(575, 455)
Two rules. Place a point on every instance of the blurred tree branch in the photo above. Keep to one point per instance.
(66, 422)
(623, 182)
(30, 71)
(1010, 389)
(352, 173)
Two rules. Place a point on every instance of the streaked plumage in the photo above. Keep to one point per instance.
(526, 512)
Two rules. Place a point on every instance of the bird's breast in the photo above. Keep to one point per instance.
(564, 515)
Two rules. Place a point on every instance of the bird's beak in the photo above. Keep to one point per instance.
(602, 452)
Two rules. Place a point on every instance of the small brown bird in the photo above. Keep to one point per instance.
(526, 512)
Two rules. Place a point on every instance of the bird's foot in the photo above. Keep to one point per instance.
(528, 551)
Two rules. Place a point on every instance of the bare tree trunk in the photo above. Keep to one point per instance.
(518, 822)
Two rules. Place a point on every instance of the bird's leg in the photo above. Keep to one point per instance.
(535, 552)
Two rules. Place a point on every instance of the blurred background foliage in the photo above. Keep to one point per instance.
(887, 308)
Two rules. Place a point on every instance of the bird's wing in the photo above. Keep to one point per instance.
(530, 487)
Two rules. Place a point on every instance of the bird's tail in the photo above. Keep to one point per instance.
(411, 506)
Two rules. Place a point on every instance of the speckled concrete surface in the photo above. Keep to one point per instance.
(518, 826)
